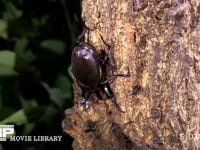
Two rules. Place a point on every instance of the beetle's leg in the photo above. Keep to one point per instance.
(105, 86)
(80, 37)
(110, 95)
(94, 96)
(104, 57)
(107, 55)
(84, 101)
(116, 104)
(115, 76)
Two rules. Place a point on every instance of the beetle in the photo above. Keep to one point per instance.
(90, 70)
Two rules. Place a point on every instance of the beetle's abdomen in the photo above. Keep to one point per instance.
(85, 66)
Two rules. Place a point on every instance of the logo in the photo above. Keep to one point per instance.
(6, 131)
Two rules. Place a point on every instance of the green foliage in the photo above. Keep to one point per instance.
(7, 62)
(56, 46)
(3, 28)
(36, 39)
(17, 118)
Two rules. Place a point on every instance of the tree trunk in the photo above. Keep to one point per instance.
(159, 41)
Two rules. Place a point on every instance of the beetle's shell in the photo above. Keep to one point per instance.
(85, 66)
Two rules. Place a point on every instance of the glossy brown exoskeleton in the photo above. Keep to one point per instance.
(89, 69)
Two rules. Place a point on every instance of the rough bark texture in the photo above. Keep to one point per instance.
(159, 40)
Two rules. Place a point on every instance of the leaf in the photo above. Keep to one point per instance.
(69, 71)
(55, 46)
(17, 118)
(49, 114)
(22, 53)
(3, 28)
(28, 127)
(1, 147)
(12, 12)
(7, 58)
(6, 111)
(6, 71)
(28, 104)
(7, 63)
(21, 45)
(63, 83)
(56, 95)
(37, 22)
(1, 100)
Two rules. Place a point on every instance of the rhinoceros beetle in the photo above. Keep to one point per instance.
(90, 70)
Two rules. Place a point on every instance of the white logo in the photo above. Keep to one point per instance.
(6, 131)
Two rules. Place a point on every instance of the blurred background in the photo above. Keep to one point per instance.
(36, 40)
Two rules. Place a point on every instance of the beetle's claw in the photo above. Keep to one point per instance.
(81, 36)
(117, 105)
(86, 105)
(83, 102)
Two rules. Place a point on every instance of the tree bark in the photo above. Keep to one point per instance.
(159, 41)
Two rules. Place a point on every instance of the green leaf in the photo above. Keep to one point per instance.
(21, 45)
(6, 111)
(6, 71)
(69, 71)
(1, 100)
(1, 147)
(28, 127)
(7, 63)
(37, 22)
(55, 46)
(11, 12)
(64, 83)
(3, 29)
(17, 118)
(7, 58)
(56, 95)
(22, 53)
(28, 104)
(49, 114)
